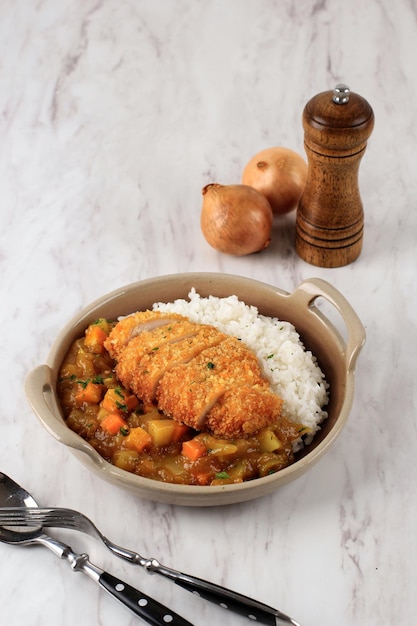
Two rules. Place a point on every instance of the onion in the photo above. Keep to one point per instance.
(235, 219)
(280, 174)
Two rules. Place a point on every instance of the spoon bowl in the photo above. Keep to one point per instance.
(20, 535)
(12, 494)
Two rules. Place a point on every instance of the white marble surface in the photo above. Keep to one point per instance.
(113, 117)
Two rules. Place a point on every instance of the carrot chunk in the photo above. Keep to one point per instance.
(180, 430)
(203, 478)
(193, 449)
(95, 338)
(118, 400)
(112, 423)
(91, 393)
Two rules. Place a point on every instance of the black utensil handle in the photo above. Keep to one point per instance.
(139, 603)
(236, 602)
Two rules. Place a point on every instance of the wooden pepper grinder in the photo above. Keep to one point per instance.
(330, 219)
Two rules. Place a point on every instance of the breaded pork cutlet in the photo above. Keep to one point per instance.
(198, 375)
(138, 323)
(242, 411)
(142, 370)
(150, 342)
(221, 390)
(190, 389)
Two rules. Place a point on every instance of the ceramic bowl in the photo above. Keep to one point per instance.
(336, 356)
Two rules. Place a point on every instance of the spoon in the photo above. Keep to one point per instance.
(139, 603)
(28, 517)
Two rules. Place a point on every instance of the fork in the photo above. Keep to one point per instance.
(71, 519)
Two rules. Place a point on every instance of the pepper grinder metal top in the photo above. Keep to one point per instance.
(330, 218)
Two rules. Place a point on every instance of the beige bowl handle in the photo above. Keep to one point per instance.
(39, 388)
(309, 290)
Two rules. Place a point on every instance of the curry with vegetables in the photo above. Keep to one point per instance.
(139, 437)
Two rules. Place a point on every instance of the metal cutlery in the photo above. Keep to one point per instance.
(71, 519)
(139, 603)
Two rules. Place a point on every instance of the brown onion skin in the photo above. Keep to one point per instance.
(280, 174)
(236, 219)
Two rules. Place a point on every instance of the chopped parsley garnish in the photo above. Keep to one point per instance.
(222, 475)
(124, 431)
(97, 380)
(71, 377)
(210, 365)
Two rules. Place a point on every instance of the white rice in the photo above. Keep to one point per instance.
(293, 371)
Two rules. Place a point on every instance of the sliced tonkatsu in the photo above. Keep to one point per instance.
(221, 390)
(139, 323)
(143, 369)
(198, 375)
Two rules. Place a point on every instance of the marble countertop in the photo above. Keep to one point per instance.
(114, 115)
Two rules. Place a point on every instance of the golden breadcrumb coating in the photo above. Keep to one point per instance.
(147, 370)
(242, 411)
(133, 325)
(150, 342)
(222, 390)
(198, 375)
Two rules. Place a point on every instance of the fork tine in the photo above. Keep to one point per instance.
(45, 517)
(23, 514)
(17, 514)
(50, 517)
